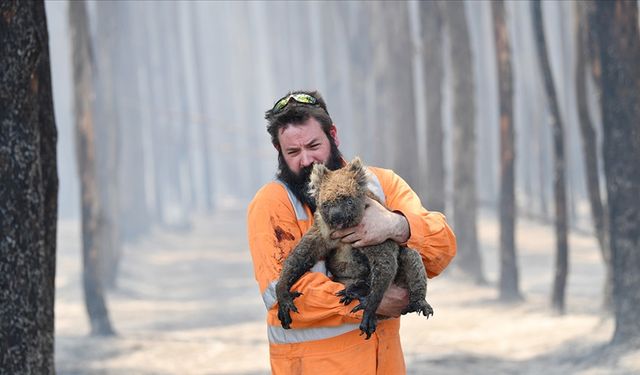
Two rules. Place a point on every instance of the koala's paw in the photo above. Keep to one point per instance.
(358, 290)
(421, 307)
(368, 324)
(285, 306)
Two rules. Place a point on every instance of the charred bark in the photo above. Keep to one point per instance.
(617, 30)
(28, 191)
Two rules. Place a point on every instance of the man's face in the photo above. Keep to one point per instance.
(300, 147)
(305, 144)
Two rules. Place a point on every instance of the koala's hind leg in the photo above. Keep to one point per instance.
(411, 273)
(383, 264)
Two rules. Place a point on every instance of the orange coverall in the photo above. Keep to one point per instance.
(324, 335)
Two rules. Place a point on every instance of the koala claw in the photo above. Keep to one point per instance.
(345, 299)
(419, 307)
(360, 306)
(285, 308)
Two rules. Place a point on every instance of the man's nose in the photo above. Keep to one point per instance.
(306, 160)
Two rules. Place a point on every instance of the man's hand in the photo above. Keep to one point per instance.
(395, 299)
(377, 225)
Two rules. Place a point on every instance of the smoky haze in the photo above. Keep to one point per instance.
(187, 70)
(179, 93)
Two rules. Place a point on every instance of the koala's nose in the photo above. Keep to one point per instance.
(337, 217)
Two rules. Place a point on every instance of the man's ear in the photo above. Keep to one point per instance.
(333, 132)
(317, 175)
(359, 171)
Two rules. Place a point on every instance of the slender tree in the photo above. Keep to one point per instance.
(393, 70)
(107, 129)
(404, 145)
(132, 185)
(202, 121)
(381, 66)
(464, 171)
(590, 146)
(431, 33)
(618, 36)
(28, 191)
(559, 184)
(509, 280)
(182, 122)
(93, 228)
(171, 115)
(154, 109)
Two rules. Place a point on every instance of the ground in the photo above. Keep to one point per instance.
(187, 303)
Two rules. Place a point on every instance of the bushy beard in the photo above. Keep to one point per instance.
(299, 183)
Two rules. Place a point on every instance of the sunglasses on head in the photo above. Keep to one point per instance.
(300, 98)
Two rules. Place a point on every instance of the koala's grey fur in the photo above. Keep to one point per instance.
(366, 272)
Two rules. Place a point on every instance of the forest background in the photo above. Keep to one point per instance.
(133, 132)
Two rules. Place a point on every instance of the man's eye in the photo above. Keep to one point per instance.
(315, 145)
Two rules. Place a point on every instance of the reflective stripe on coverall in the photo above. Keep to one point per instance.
(325, 335)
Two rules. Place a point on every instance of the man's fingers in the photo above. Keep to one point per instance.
(340, 233)
(344, 235)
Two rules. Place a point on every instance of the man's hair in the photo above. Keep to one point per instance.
(296, 113)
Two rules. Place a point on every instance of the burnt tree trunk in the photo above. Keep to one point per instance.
(617, 30)
(431, 18)
(28, 191)
(464, 142)
(559, 184)
(93, 229)
(509, 280)
(590, 149)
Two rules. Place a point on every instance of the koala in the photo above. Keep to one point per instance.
(366, 272)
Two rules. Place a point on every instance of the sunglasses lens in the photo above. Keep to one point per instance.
(304, 98)
(281, 104)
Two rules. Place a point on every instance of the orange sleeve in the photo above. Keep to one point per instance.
(431, 236)
(273, 231)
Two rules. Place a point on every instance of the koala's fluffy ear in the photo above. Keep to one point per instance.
(317, 175)
(358, 169)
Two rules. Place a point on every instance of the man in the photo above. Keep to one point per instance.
(325, 336)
